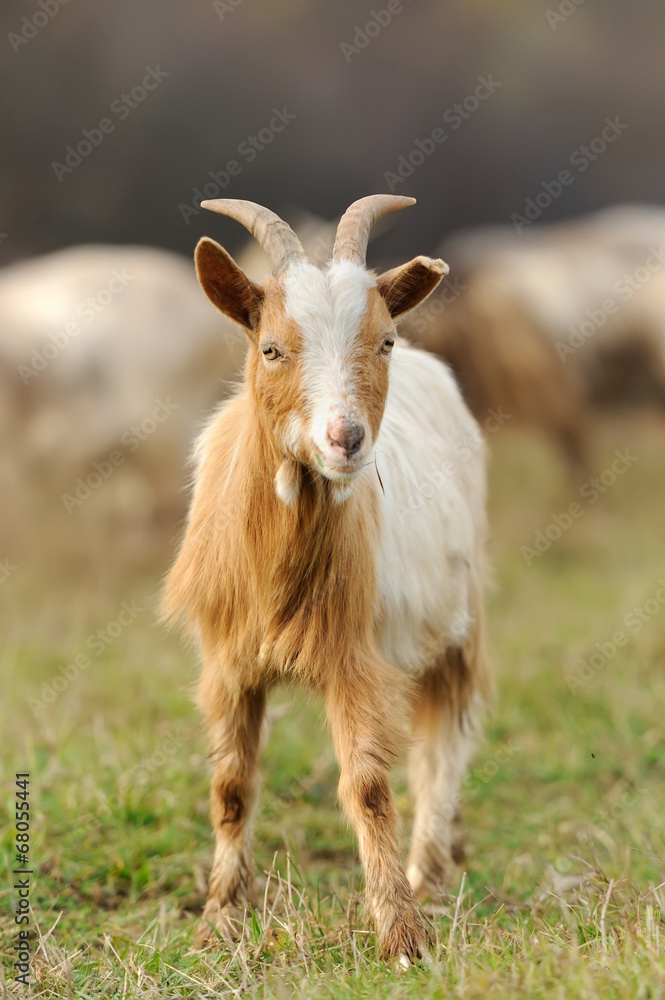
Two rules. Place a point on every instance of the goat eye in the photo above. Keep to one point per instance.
(387, 345)
(270, 352)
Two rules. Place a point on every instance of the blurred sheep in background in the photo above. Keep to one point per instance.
(507, 369)
(110, 359)
(595, 286)
(556, 320)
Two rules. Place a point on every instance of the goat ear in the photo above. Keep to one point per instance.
(405, 286)
(226, 285)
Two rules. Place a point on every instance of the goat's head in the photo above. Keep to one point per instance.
(320, 338)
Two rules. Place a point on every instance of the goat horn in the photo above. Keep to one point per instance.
(278, 241)
(354, 226)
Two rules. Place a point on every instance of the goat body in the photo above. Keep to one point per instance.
(336, 539)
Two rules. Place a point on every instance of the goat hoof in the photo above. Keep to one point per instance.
(406, 942)
(405, 959)
(226, 922)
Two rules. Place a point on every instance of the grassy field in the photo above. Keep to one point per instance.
(563, 806)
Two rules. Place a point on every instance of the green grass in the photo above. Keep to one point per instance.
(563, 805)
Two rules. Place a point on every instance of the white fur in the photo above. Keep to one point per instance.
(292, 434)
(430, 456)
(328, 306)
(287, 482)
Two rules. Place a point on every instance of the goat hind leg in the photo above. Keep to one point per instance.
(438, 761)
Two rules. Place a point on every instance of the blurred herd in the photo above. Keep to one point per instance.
(111, 358)
(120, 117)
(557, 321)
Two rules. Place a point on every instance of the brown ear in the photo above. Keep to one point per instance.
(226, 285)
(405, 286)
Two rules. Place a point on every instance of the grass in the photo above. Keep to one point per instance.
(562, 894)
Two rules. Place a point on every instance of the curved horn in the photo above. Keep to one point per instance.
(354, 226)
(274, 236)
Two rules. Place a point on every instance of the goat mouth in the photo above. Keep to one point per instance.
(344, 470)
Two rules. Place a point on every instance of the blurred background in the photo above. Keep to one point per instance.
(118, 121)
(355, 112)
(531, 136)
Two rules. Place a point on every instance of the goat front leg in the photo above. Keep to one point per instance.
(233, 797)
(367, 710)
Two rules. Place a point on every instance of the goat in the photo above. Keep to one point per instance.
(300, 564)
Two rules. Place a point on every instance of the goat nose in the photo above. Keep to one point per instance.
(348, 437)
